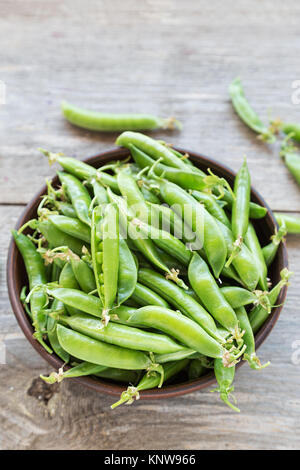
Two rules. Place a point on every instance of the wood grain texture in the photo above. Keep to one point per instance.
(169, 58)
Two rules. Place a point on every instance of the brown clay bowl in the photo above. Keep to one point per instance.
(16, 279)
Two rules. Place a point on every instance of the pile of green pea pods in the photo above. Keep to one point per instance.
(147, 268)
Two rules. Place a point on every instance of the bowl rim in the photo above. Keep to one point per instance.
(108, 387)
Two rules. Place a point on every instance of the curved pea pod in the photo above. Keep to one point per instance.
(97, 352)
(150, 381)
(122, 314)
(127, 274)
(203, 224)
(78, 194)
(210, 294)
(253, 244)
(72, 226)
(269, 251)
(81, 170)
(244, 262)
(212, 206)
(185, 178)
(77, 299)
(151, 147)
(225, 377)
(80, 370)
(108, 122)
(121, 335)
(246, 113)
(83, 274)
(180, 300)
(255, 210)
(56, 237)
(237, 296)
(240, 207)
(259, 314)
(145, 296)
(291, 222)
(180, 327)
(248, 337)
(291, 159)
(36, 274)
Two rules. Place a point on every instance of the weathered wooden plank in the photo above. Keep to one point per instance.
(33, 417)
(162, 58)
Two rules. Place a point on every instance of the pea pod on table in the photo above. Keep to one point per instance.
(108, 122)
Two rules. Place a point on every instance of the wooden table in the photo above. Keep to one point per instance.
(169, 58)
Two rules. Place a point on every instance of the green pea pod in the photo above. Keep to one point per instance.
(203, 224)
(243, 263)
(151, 147)
(134, 198)
(99, 192)
(248, 337)
(68, 280)
(270, 250)
(259, 314)
(255, 210)
(97, 352)
(108, 122)
(36, 273)
(127, 272)
(145, 296)
(225, 377)
(81, 370)
(186, 178)
(238, 297)
(180, 327)
(165, 241)
(77, 299)
(81, 170)
(177, 356)
(65, 208)
(121, 335)
(179, 299)
(52, 333)
(56, 237)
(291, 129)
(119, 375)
(149, 381)
(72, 226)
(210, 294)
(78, 194)
(84, 274)
(253, 244)
(291, 222)
(212, 206)
(240, 207)
(291, 159)
(246, 113)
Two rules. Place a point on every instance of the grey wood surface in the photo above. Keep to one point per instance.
(169, 58)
